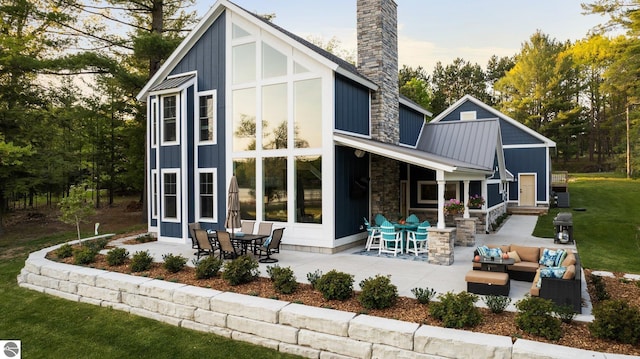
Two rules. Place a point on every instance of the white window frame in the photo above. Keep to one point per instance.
(155, 195)
(213, 171)
(434, 183)
(153, 114)
(214, 119)
(178, 118)
(468, 115)
(175, 171)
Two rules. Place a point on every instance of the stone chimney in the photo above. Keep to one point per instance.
(378, 61)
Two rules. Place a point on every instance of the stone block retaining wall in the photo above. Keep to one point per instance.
(287, 327)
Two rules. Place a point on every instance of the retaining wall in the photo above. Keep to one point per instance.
(287, 327)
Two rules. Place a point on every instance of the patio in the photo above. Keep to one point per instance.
(405, 274)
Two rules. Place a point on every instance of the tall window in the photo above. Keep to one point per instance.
(170, 186)
(169, 119)
(245, 171)
(275, 188)
(206, 194)
(154, 194)
(206, 118)
(308, 189)
(308, 113)
(154, 123)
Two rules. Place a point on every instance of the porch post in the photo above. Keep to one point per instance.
(483, 193)
(441, 187)
(465, 188)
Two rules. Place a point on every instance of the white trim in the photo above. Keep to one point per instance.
(531, 145)
(548, 142)
(196, 122)
(535, 186)
(179, 206)
(216, 199)
(414, 106)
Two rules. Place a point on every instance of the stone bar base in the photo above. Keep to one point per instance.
(465, 232)
(441, 243)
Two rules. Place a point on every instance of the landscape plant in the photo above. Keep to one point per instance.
(616, 320)
(64, 251)
(456, 310)
(117, 256)
(335, 285)
(535, 316)
(496, 303)
(423, 295)
(377, 292)
(207, 267)
(243, 269)
(84, 255)
(284, 280)
(313, 277)
(173, 263)
(141, 261)
(75, 207)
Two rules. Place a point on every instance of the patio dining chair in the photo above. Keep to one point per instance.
(264, 229)
(373, 236)
(247, 227)
(418, 240)
(204, 245)
(390, 239)
(379, 219)
(412, 218)
(227, 249)
(269, 246)
(192, 235)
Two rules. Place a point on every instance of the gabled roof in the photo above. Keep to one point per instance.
(472, 142)
(499, 114)
(172, 82)
(333, 62)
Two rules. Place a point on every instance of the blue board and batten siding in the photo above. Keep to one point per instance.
(467, 106)
(411, 122)
(351, 106)
(527, 160)
(351, 204)
(207, 59)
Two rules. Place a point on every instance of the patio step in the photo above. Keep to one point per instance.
(527, 210)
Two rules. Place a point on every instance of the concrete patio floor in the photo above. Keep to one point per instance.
(405, 274)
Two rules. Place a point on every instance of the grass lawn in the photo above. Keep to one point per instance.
(50, 327)
(607, 234)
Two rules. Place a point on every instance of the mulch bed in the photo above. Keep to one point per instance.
(575, 334)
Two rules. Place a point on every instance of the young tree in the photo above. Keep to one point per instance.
(75, 207)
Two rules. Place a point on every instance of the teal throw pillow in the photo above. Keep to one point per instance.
(551, 272)
(549, 257)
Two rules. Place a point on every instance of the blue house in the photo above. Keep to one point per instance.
(316, 143)
(527, 154)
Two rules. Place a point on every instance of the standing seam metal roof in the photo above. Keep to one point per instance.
(472, 142)
(172, 83)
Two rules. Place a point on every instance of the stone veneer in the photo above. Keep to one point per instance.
(309, 332)
(377, 29)
(385, 180)
(465, 231)
(441, 242)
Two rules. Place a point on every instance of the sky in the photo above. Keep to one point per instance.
(435, 30)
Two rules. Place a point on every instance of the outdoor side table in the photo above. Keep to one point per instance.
(495, 265)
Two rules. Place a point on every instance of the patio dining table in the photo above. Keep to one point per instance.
(243, 240)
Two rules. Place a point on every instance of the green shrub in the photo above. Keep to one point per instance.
(173, 264)
(423, 295)
(456, 310)
(208, 267)
(84, 255)
(600, 288)
(141, 261)
(117, 256)
(284, 281)
(313, 277)
(377, 293)
(145, 238)
(534, 317)
(241, 270)
(616, 320)
(64, 251)
(497, 303)
(335, 285)
(565, 313)
(96, 244)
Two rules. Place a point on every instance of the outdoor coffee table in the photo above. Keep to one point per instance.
(491, 264)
